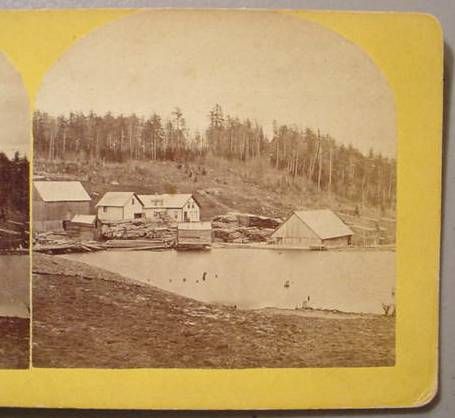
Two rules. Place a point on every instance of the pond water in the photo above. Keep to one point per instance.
(14, 285)
(350, 281)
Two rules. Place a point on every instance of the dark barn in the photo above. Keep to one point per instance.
(57, 201)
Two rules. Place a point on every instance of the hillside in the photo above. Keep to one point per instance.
(222, 186)
(219, 185)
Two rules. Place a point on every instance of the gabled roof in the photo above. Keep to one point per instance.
(172, 201)
(118, 199)
(61, 191)
(324, 223)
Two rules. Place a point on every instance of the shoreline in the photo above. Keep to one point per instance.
(88, 317)
(259, 246)
(308, 312)
(268, 310)
(291, 309)
(132, 245)
(317, 313)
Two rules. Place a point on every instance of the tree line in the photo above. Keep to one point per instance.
(113, 138)
(333, 167)
(329, 166)
(14, 186)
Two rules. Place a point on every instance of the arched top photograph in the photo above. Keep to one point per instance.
(252, 157)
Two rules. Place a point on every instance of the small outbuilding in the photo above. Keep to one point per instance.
(120, 206)
(55, 202)
(180, 207)
(194, 235)
(82, 227)
(313, 228)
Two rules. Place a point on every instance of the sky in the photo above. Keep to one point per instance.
(14, 111)
(262, 65)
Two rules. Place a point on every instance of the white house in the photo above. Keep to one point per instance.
(179, 207)
(306, 228)
(118, 206)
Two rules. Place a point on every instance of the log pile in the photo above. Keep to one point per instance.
(243, 227)
(137, 244)
(140, 235)
(139, 230)
(60, 243)
(52, 243)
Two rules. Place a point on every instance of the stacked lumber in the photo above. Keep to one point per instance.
(138, 230)
(60, 243)
(243, 227)
(247, 220)
(137, 244)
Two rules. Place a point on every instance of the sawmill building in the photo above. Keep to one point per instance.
(308, 228)
(55, 202)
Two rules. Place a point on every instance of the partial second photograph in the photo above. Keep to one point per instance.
(15, 144)
(214, 189)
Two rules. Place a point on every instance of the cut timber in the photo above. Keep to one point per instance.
(193, 247)
(318, 248)
(137, 244)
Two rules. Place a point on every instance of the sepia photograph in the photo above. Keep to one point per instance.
(14, 219)
(211, 189)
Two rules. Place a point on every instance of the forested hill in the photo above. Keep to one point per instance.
(301, 156)
(14, 188)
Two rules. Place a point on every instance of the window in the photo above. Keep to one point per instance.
(132, 201)
(104, 209)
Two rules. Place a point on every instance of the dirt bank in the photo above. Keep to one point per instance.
(14, 343)
(87, 317)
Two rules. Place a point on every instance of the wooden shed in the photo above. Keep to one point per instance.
(313, 228)
(194, 235)
(82, 227)
(57, 201)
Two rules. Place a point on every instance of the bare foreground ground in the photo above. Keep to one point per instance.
(87, 317)
(14, 343)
